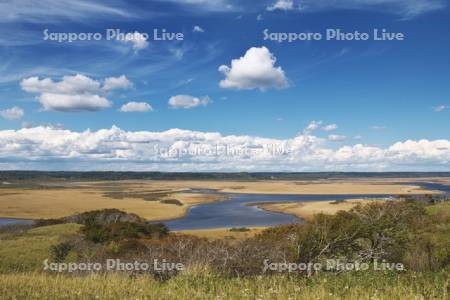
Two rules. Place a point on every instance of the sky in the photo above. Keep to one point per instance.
(220, 87)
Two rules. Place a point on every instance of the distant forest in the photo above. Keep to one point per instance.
(30, 175)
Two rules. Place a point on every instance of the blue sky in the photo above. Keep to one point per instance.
(376, 93)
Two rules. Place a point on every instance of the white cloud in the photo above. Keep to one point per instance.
(68, 85)
(313, 125)
(198, 29)
(259, 17)
(13, 113)
(138, 40)
(185, 150)
(73, 103)
(120, 82)
(336, 138)
(136, 107)
(255, 70)
(440, 108)
(186, 101)
(73, 93)
(281, 5)
(329, 127)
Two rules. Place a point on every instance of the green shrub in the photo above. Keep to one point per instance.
(60, 251)
(172, 201)
(239, 229)
(99, 233)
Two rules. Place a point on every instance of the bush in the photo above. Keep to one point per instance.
(60, 251)
(172, 201)
(239, 229)
(103, 216)
(101, 233)
(375, 231)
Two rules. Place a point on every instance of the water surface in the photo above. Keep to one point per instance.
(12, 221)
(236, 211)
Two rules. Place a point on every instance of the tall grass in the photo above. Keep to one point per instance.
(27, 251)
(206, 285)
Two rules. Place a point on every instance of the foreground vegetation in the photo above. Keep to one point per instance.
(410, 233)
(207, 285)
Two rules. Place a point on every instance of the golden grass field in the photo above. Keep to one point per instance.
(62, 198)
(224, 233)
(331, 187)
(307, 210)
(35, 204)
(201, 284)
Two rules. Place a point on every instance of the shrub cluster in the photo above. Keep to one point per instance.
(397, 231)
(101, 233)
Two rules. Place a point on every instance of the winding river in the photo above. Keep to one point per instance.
(237, 211)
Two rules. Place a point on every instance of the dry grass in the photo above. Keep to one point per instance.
(56, 203)
(51, 200)
(374, 186)
(224, 233)
(205, 285)
(306, 210)
(296, 187)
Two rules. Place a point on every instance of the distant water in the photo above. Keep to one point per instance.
(236, 212)
(12, 221)
(433, 186)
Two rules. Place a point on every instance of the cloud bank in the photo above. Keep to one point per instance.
(50, 148)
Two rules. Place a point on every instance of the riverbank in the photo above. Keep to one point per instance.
(168, 200)
(306, 210)
(311, 187)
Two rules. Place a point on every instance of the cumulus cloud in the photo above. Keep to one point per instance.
(77, 84)
(73, 93)
(187, 101)
(198, 29)
(13, 113)
(255, 70)
(73, 103)
(120, 82)
(137, 39)
(281, 5)
(136, 107)
(186, 150)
